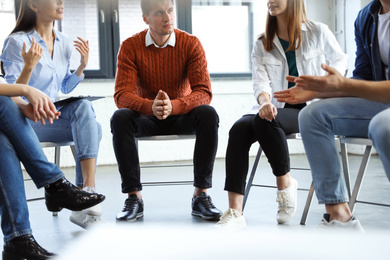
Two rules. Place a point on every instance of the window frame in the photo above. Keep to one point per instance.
(109, 41)
(109, 36)
(184, 22)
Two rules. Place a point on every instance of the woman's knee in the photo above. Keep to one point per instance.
(83, 109)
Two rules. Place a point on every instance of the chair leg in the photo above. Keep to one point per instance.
(73, 149)
(252, 176)
(307, 205)
(344, 158)
(360, 177)
(57, 155)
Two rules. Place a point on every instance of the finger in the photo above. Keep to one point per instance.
(291, 78)
(160, 95)
(329, 69)
(165, 95)
(43, 122)
(52, 107)
(57, 115)
(82, 40)
(159, 103)
(282, 95)
(42, 113)
(24, 48)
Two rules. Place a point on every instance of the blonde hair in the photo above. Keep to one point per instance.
(296, 15)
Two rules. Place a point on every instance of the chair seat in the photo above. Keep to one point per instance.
(356, 140)
(52, 144)
(166, 137)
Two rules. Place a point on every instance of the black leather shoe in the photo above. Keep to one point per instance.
(63, 194)
(203, 207)
(133, 209)
(25, 247)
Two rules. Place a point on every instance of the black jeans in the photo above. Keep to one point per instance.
(272, 139)
(126, 125)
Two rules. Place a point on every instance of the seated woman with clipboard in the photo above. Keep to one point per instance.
(46, 66)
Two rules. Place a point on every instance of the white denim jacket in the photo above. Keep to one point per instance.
(269, 69)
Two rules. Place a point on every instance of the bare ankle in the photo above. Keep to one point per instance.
(138, 193)
(339, 212)
(283, 182)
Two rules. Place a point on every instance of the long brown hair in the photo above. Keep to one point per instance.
(296, 15)
(27, 19)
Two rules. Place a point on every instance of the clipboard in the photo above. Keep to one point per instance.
(61, 103)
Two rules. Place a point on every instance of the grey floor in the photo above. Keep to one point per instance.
(171, 204)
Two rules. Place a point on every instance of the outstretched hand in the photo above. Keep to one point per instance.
(82, 47)
(294, 95)
(332, 82)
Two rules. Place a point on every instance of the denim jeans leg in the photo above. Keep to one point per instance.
(319, 123)
(77, 123)
(379, 133)
(13, 205)
(17, 129)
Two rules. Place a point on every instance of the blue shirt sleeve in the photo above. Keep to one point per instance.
(71, 80)
(12, 59)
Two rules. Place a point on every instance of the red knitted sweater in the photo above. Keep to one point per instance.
(180, 71)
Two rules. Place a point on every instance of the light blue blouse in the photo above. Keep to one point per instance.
(50, 75)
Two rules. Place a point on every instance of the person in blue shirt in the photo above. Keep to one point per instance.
(19, 143)
(37, 54)
(358, 107)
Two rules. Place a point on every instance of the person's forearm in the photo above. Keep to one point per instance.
(25, 75)
(80, 70)
(15, 91)
(263, 98)
(378, 91)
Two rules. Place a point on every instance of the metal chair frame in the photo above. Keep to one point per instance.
(166, 138)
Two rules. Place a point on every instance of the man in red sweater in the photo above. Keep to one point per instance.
(163, 87)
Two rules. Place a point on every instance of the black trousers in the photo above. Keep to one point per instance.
(126, 125)
(272, 139)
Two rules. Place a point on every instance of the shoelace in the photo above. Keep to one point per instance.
(225, 219)
(206, 201)
(129, 204)
(282, 199)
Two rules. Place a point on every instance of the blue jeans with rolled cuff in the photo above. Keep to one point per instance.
(352, 117)
(19, 143)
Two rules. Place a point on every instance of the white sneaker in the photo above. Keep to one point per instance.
(352, 225)
(83, 220)
(287, 200)
(95, 211)
(231, 220)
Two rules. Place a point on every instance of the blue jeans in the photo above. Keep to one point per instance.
(77, 123)
(322, 120)
(18, 142)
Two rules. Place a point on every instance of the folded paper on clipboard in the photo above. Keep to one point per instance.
(61, 103)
